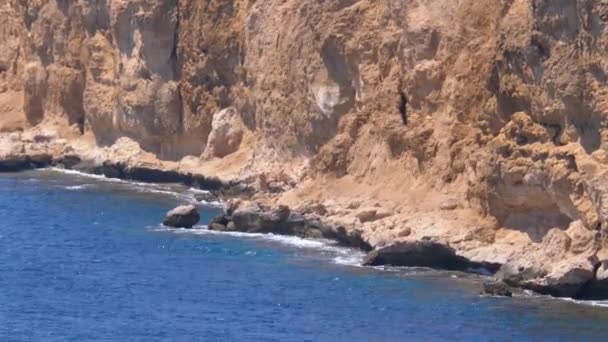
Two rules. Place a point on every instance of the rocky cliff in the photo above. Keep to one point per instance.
(479, 123)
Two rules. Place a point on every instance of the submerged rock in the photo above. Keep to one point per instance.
(185, 216)
(495, 288)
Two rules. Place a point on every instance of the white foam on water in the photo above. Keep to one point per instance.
(340, 255)
(81, 174)
(217, 204)
(186, 196)
(94, 176)
(77, 187)
(598, 303)
(585, 302)
(352, 258)
(198, 191)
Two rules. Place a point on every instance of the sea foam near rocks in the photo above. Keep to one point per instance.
(338, 254)
(187, 195)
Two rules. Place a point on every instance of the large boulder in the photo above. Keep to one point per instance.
(562, 265)
(227, 131)
(562, 278)
(184, 216)
(497, 288)
(417, 254)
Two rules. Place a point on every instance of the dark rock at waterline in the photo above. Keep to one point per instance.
(417, 254)
(185, 216)
(40, 160)
(15, 163)
(206, 197)
(20, 162)
(594, 290)
(67, 161)
(107, 169)
(496, 288)
(219, 223)
(25, 162)
(257, 219)
(220, 219)
(353, 238)
(254, 218)
(150, 175)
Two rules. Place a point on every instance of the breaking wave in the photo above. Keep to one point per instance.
(187, 195)
(339, 255)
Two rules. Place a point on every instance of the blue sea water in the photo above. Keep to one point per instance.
(84, 259)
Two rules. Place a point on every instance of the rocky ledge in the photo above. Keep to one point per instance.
(586, 281)
(252, 217)
(19, 154)
(566, 263)
(424, 253)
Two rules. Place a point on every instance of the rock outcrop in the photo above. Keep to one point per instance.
(420, 254)
(184, 216)
(481, 123)
(251, 217)
(499, 289)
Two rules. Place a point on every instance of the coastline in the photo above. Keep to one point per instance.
(345, 255)
(250, 211)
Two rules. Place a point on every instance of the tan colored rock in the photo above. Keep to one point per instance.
(449, 204)
(366, 215)
(405, 232)
(369, 215)
(227, 131)
(184, 216)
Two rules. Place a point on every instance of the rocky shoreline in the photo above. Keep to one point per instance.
(248, 213)
(251, 217)
(111, 169)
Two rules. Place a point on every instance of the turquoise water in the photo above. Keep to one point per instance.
(84, 259)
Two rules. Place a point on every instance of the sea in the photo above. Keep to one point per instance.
(85, 258)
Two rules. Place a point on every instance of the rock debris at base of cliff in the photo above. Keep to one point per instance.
(478, 124)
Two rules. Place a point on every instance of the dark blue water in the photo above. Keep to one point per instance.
(90, 264)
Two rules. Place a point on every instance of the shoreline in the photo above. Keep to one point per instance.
(252, 210)
(476, 277)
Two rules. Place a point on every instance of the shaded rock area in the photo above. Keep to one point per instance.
(252, 217)
(22, 162)
(23, 155)
(422, 254)
(184, 216)
(495, 288)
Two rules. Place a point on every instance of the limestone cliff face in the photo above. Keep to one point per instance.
(501, 102)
